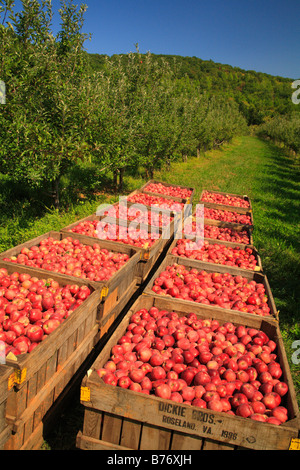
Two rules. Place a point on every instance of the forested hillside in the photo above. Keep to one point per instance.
(260, 96)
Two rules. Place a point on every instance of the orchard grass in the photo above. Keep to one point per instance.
(248, 166)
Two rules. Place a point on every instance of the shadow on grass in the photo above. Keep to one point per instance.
(89, 181)
(279, 198)
(21, 201)
(63, 435)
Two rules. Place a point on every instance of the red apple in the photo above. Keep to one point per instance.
(158, 373)
(35, 315)
(22, 344)
(244, 410)
(50, 325)
(257, 405)
(124, 381)
(281, 388)
(163, 391)
(215, 405)
(136, 375)
(188, 393)
(176, 396)
(35, 333)
(271, 400)
(146, 383)
(281, 413)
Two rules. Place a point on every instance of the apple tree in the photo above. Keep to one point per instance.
(43, 122)
(113, 120)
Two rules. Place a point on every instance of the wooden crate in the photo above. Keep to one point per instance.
(99, 215)
(186, 211)
(148, 256)
(221, 224)
(7, 378)
(226, 207)
(109, 291)
(40, 376)
(27, 432)
(209, 267)
(189, 199)
(234, 225)
(119, 419)
(258, 267)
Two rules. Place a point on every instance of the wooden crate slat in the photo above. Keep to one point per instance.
(154, 437)
(131, 433)
(181, 441)
(89, 443)
(111, 428)
(92, 423)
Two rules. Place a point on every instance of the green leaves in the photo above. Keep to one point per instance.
(42, 124)
(284, 130)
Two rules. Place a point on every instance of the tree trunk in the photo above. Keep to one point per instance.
(55, 193)
(198, 152)
(184, 156)
(149, 173)
(121, 178)
(168, 164)
(115, 180)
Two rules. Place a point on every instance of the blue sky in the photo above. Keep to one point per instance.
(261, 35)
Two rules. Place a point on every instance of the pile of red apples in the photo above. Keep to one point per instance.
(32, 308)
(225, 199)
(223, 290)
(71, 257)
(199, 362)
(174, 191)
(215, 253)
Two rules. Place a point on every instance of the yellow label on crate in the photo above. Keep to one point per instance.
(104, 292)
(295, 444)
(11, 381)
(20, 375)
(85, 394)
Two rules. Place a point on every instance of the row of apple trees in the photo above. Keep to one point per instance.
(59, 111)
(284, 130)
